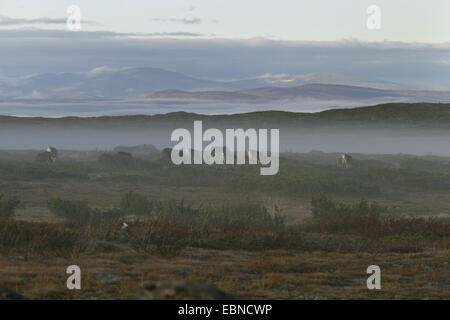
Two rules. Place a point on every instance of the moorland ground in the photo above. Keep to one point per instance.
(308, 232)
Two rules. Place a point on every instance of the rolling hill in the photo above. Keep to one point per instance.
(420, 128)
(156, 84)
(315, 91)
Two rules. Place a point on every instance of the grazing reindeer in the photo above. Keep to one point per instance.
(50, 155)
(346, 161)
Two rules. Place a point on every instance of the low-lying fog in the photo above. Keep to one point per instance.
(372, 142)
(89, 134)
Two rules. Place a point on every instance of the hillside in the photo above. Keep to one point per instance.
(421, 128)
(314, 91)
(416, 113)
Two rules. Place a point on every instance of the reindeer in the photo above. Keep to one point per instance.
(346, 161)
(50, 155)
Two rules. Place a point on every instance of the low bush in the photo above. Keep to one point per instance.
(325, 210)
(7, 206)
(124, 160)
(236, 214)
(38, 237)
(365, 220)
(106, 215)
(73, 211)
(20, 170)
(133, 203)
(81, 212)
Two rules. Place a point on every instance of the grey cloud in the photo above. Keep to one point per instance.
(56, 51)
(8, 21)
(61, 34)
(177, 20)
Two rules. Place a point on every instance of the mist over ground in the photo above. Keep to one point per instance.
(390, 128)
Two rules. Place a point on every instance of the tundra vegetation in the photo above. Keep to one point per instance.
(128, 216)
(308, 232)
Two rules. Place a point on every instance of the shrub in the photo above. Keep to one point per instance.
(247, 214)
(81, 212)
(124, 160)
(238, 215)
(74, 211)
(178, 212)
(133, 203)
(107, 215)
(38, 237)
(7, 206)
(328, 211)
(18, 170)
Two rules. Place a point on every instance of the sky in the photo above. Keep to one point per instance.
(217, 39)
(401, 20)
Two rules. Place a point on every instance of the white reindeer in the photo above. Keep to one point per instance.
(346, 161)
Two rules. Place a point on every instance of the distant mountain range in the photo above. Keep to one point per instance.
(153, 84)
(323, 92)
(99, 83)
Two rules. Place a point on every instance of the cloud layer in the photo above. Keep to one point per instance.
(8, 21)
(179, 20)
(27, 51)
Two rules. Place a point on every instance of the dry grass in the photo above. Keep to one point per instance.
(262, 257)
(277, 262)
(278, 274)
